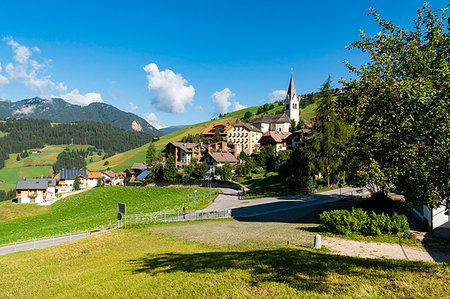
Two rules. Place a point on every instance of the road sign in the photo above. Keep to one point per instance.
(122, 208)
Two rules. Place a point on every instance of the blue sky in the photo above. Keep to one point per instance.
(181, 62)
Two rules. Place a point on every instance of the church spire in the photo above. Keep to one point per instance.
(291, 94)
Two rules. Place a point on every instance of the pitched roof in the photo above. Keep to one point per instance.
(140, 166)
(187, 147)
(31, 184)
(223, 157)
(70, 174)
(94, 175)
(276, 136)
(267, 118)
(291, 94)
(211, 129)
(249, 127)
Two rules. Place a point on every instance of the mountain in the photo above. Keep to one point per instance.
(59, 111)
(168, 130)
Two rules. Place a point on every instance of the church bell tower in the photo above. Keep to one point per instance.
(291, 104)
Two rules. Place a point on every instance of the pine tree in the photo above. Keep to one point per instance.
(76, 183)
(151, 156)
(170, 171)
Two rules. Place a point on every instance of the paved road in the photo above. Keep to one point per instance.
(43, 243)
(270, 205)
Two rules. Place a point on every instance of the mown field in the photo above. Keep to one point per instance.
(91, 209)
(122, 161)
(138, 263)
(34, 166)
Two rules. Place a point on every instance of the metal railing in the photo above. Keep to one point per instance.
(175, 216)
(46, 241)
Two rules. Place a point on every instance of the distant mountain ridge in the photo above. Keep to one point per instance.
(60, 111)
(172, 129)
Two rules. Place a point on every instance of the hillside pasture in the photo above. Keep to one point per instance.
(96, 208)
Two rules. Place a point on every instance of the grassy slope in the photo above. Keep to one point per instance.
(122, 161)
(136, 263)
(96, 208)
(36, 165)
(11, 211)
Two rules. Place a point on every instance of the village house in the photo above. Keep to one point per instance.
(225, 147)
(35, 190)
(435, 219)
(214, 159)
(245, 135)
(66, 179)
(111, 178)
(298, 138)
(210, 131)
(275, 139)
(183, 153)
(277, 122)
(135, 170)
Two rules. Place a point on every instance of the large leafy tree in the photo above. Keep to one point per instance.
(399, 104)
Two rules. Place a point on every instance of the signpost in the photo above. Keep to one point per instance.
(122, 209)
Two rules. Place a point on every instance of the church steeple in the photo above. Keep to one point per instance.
(291, 103)
(291, 94)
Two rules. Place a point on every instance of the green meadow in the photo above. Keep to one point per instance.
(92, 209)
(136, 263)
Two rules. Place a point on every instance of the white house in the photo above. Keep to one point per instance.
(66, 179)
(436, 219)
(35, 190)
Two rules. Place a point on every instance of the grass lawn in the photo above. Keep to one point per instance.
(9, 211)
(136, 263)
(95, 208)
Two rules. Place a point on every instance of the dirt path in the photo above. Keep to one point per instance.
(377, 250)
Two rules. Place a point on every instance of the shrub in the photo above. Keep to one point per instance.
(358, 221)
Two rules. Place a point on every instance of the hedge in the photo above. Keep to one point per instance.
(358, 221)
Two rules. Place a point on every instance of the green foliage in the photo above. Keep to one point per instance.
(294, 171)
(76, 183)
(192, 138)
(7, 195)
(399, 105)
(247, 116)
(151, 156)
(243, 156)
(360, 222)
(328, 140)
(217, 137)
(225, 172)
(69, 160)
(170, 171)
(265, 158)
(18, 158)
(99, 182)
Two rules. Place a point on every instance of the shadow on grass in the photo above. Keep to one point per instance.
(302, 269)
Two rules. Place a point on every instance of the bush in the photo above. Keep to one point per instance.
(358, 221)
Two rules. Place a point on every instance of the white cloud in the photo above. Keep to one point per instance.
(28, 70)
(238, 106)
(221, 100)
(172, 92)
(25, 110)
(3, 79)
(74, 97)
(154, 120)
(277, 95)
(132, 107)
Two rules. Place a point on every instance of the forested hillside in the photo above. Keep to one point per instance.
(24, 134)
(60, 111)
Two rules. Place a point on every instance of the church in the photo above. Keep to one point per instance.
(281, 122)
